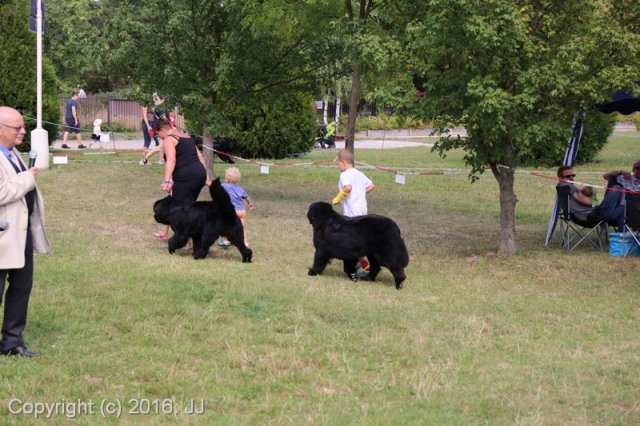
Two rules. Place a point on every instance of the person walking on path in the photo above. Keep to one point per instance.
(149, 118)
(72, 122)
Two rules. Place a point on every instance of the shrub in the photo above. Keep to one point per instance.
(276, 128)
(386, 122)
(597, 129)
(548, 140)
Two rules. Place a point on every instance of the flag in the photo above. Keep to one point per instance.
(573, 145)
(33, 25)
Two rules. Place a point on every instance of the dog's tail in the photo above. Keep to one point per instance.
(223, 201)
(400, 247)
(404, 253)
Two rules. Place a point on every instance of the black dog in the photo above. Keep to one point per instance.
(348, 238)
(203, 221)
(223, 147)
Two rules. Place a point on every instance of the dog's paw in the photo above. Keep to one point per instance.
(171, 250)
(312, 272)
(399, 280)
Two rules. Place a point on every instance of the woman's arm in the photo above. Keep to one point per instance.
(169, 146)
(144, 116)
(615, 173)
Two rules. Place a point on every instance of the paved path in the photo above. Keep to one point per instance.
(121, 144)
(371, 139)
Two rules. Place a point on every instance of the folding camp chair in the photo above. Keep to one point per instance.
(574, 231)
(632, 219)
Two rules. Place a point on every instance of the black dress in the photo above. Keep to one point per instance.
(189, 175)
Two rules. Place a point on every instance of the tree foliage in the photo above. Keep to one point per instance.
(276, 129)
(18, 74)
(74, 40)
(515, 73)
(211, 57)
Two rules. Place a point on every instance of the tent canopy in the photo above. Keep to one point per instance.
(622, 102)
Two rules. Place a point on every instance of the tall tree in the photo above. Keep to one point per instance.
(364, 38)
(209, 56)
(74, 40)
(515, 73)
(18, 72)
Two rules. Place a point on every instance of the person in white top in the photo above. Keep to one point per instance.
(354, 187)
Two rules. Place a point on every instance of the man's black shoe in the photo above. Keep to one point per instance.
(20, 351)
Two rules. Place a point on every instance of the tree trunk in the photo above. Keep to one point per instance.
(508, 241)
(354, 97)
(338, 106)
(207, 152)
(325, 110)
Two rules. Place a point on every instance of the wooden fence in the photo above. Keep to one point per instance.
(116, 113)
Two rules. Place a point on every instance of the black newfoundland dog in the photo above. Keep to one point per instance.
(203, 221)
(347, 238)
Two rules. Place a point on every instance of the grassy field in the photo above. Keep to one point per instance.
(542, 337)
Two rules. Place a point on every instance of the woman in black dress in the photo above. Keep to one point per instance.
(184, 171)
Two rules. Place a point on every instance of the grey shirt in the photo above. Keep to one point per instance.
(578, 210)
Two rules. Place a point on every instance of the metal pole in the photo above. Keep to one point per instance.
(39, 64)
(39, 136)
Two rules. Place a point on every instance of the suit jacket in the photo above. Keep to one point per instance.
(13, 209)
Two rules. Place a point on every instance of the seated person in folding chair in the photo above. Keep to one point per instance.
(580, 199)
(626, 180)
(612, 208)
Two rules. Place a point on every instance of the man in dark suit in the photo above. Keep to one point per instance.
(22, 216)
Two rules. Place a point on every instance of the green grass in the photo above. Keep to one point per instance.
(542, 337)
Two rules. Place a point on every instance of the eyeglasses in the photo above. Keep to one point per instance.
(569, 176)
(16, 128)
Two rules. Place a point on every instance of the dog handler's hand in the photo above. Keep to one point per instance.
(166, 186)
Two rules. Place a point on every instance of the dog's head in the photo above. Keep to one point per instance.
(162, 210)
(319, 213)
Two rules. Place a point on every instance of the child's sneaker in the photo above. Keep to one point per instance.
(361, 273)
(364, 264)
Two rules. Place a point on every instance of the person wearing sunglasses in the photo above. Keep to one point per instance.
(580, 199)
(22, 212)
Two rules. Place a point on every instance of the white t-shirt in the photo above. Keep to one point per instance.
(356, 202)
